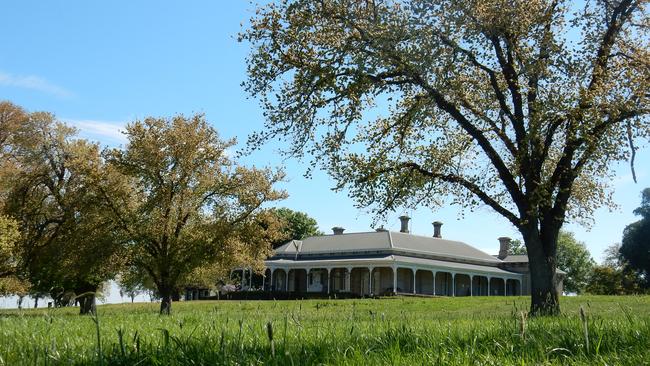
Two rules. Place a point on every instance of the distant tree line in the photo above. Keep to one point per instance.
(627, 265)
(170, 209)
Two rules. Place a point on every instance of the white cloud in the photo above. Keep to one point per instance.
(104, 131)
(34, 83)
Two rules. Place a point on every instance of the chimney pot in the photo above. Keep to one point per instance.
(437, 225)
(404, 224)
(504, 247)
(338, 230)
(380, 229)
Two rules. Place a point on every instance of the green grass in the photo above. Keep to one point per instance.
(412, 331)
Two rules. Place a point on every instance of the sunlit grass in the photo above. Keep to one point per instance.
(480, 331)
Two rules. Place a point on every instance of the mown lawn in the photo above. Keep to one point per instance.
(413, 331)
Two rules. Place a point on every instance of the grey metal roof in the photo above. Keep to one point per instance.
(394, 242)
(438, 246)
(523, 259)
(518, 258)
(337, 243)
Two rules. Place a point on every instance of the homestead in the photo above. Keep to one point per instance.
(386, 262)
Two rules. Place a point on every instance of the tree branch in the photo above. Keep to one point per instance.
(470, 186)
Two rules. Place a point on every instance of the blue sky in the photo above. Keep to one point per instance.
(99, 65)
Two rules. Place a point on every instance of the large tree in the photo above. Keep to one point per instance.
(13, 120)
(67, 242)
(635, 248)
(191, 205)
(518, 105)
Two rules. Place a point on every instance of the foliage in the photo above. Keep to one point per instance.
(9, 237)
(574, 258)
(12, 285)
(400, 331)
(261, 230)
(187, 207)
(614, 276)
(14, 122)
(517, 247)
(11, 119)
(607, 280)
(297, 225)
(489, 102)
(635, 249)
(9, 240)
(612, 257)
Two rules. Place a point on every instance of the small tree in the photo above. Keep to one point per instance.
(614, 276)
(574, 258)
(607, 280)
(297, 225)
(517, 247)
(133, 282)
(188, 202)
(612, 257)
(521, 106)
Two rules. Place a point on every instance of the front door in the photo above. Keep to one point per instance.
(315, 281)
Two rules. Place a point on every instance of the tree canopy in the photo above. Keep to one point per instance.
(521, 106)
(67, 242)
(574, 258)
(297, 225)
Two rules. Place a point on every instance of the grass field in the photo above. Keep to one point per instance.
(414, 331)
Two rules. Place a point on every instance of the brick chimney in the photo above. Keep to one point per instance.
(338, 230)
(437, 225)
(504, 247)
(404, 224)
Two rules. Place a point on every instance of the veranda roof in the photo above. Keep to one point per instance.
(388, 261)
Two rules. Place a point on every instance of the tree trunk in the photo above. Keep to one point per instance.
(88, 304)
(36, 302)
(543, 278)
(166, 300)
(87, 299)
